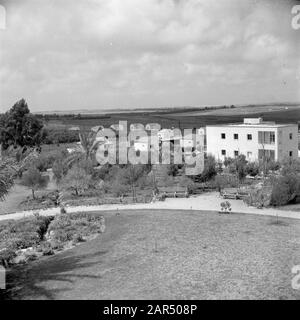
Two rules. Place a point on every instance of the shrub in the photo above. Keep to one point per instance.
(209, 171)
(188, 183)
(225, 181)
(285, 190)
(76, 180)
(74, 227)
(60, 135)
(273, 165)
(259, 197)
(34, 180)
(290, 166)
(46, 249)
(46, 159)
(21, 234)
(252, 169)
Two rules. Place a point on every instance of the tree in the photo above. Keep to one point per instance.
(6, 180)
(209, 170)
(34, 180)
(76, 180)
(60, 168)
(252, 168)
(240, 165)
(290, 166)
(12, 163)
(18, 127)
(285, 189)
(89, 147)
(225, 181)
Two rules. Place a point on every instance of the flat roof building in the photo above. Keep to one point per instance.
(254, 138)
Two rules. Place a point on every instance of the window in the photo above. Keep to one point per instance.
(272, 137)
(266, 154)
(236, 153)
(291, 136)
(291, 153)
(223, 135)
(249, 155)
(249, 136)
(266, 137)
(223, 152)
(235, 136)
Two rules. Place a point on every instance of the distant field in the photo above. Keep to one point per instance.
(187, 118)
(165, 254)
(244, 110)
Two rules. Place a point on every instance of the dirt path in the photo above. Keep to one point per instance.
(209, 201)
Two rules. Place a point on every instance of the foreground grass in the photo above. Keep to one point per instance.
(166, 254)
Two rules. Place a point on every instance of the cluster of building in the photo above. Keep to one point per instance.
(254, 138)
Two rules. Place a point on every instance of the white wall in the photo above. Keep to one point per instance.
(285, 144)
(244, 146)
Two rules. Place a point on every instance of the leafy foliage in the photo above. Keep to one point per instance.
(285, 189)
(6, 180)
(76, 180)
(60, 135)
(18, 127)
(34, 180)
(210, 170)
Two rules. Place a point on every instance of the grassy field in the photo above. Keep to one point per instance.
(168, 254)
(187, 118)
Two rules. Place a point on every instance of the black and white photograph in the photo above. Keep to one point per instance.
(149, 151)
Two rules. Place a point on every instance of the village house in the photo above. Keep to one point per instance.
(254, 138)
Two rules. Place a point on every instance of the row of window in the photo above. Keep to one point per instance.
(261, 153)
(236, 153)
(236, 136)
(264, 137)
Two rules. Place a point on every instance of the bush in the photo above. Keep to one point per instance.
(46, 160)
(259, 197)
(290, 166)
(225, 181)
(285, 190)
(252, 169)
(210, 170)
(60, 135)
(188, 183)
(21, 234)
(34, 180)
(46, 249)
(74, 227)
(77, 180)
(59, 168)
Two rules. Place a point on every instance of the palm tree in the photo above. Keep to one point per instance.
(89, 145)
(12, 164)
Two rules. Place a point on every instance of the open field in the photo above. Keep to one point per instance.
(187, 118)
(242, 110)
(171, 254)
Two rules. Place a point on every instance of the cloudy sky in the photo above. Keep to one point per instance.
(98, 54)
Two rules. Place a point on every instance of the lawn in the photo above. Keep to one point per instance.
(167, 254)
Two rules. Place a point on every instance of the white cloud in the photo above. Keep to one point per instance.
(91, 53)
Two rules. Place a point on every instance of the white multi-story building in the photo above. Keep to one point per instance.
(255, 138)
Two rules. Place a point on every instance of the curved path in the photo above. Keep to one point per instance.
(208, 201)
